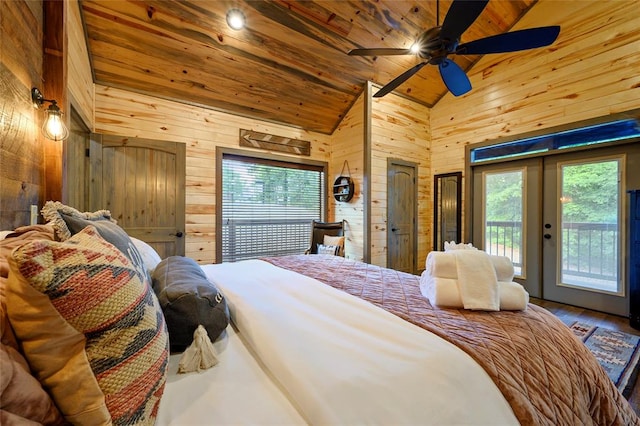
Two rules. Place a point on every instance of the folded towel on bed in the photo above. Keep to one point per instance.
(513, 296)
(444, 293)
(443, 265)
(441, 292)
(477, 280)
(503, 267)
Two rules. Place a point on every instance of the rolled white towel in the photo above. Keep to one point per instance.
(513, 296)
(503, 267)
(441, 292)
(444, 293)
(442, 265)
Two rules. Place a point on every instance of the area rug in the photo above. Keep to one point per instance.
(617, 352)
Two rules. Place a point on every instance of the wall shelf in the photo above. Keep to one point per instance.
(343, 189)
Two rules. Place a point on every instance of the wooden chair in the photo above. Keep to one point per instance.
(320, 229)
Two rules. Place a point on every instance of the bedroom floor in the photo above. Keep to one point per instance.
(569, 313)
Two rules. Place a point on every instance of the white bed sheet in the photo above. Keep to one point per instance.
(236, 391)
(345, 361)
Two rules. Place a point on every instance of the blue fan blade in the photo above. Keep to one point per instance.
(511, 42)
(460, 16)
(454, 77)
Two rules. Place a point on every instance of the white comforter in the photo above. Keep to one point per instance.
(342, 360)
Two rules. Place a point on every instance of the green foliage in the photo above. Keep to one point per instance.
(270, 185)
(591, 192)
(504, 196)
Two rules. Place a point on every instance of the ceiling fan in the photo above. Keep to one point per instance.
(436, 44)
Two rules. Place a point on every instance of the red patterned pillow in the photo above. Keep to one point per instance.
(97, 292)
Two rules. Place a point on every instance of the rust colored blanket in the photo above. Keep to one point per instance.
(545, 373)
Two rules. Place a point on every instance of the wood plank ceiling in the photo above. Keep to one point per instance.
(290, 63)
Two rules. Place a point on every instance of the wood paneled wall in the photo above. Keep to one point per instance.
(80, 82)
(21, 150)
(590, 71)
(120, 112)
(399, 129)
(347, 144)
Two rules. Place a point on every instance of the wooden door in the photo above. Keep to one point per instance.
(75, 170)
(401, 215)
(142, 183)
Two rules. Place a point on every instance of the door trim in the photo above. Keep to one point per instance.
(392, 162)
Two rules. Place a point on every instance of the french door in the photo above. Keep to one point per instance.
(562, 221)
(507, 214)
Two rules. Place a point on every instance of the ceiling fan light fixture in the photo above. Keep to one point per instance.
(436, 44)
(236, 19)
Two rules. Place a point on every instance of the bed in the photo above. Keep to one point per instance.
(363, 346)
(318, 339)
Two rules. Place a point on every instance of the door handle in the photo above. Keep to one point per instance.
(547, 236)
(178, 234)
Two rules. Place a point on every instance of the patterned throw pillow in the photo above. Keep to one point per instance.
(92, 289)
(329, 240)
(68, 221)
(332, 250)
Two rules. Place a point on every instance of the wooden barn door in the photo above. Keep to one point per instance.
(142, 183)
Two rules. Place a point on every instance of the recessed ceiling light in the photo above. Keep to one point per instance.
(235, 19)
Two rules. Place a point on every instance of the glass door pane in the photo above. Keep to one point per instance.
(584, 227)
(589, 245)
(503, 216)
(507, 216)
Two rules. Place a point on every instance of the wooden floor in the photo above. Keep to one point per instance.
(569, 314)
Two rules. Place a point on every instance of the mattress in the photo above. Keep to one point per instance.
(237, 390)
(335, 358)
(354, 348)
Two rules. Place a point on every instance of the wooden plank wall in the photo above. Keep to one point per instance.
(347, 144)
(80, 79)
(399, 129)
(592, 70)
(21, 150)
(120, 112)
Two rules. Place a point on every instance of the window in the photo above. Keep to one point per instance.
(590, 214)
(590, 135)
(268, 206)
(503, 216)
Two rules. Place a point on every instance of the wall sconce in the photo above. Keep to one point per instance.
(53, 127)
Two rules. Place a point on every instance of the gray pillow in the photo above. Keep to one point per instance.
(188, 299)
(68, 221)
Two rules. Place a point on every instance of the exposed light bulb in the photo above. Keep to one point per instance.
(54, 127)
(235, 19)
(415, 48)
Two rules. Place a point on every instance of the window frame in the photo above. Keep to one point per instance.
(264, 158)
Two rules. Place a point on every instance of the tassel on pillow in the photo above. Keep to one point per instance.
(200, 355)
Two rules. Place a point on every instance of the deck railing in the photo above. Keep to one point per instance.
(589, 250)
(253, 238)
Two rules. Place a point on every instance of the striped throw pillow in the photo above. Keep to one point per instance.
(99, 293)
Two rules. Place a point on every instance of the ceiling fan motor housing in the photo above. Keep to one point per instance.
(432, 47)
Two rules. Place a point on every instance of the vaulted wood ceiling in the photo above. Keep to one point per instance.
(290, 63)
